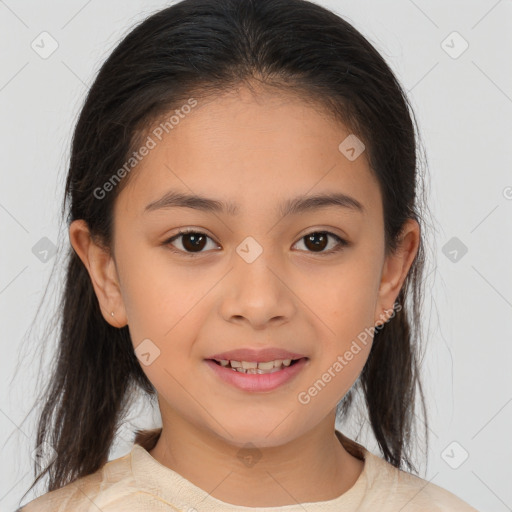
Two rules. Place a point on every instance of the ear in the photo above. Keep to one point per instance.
(102, 270)
(395, 269)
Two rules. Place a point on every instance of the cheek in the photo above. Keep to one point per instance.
(346, 319)
(346, 300)
(165, 310)
(157, 294)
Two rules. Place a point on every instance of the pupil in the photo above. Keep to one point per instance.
(194, 237)
(313, 238)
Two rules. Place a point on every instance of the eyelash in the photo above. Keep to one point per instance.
(341, 242)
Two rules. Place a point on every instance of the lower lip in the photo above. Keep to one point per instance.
(257, 381)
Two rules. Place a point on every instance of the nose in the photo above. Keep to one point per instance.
(257, 293)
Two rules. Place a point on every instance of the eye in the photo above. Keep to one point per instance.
(318, 240)
(192, 241)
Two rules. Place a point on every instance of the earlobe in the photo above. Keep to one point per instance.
(102, 271)
(395, 270)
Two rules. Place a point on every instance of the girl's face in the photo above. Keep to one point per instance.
(257, 275)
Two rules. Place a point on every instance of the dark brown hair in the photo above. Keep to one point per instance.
(200, 48)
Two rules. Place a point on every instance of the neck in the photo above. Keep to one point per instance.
(315, 467)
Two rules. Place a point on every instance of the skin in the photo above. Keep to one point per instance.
(257, 149)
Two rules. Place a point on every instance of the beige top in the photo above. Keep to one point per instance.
(137, 482)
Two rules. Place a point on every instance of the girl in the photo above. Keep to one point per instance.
(245, 234)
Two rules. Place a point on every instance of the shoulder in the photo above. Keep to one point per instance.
(389, 488)
(112, 481)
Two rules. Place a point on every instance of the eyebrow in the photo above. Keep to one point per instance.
(301, 204)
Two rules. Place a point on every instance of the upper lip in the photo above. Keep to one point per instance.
(254, 355)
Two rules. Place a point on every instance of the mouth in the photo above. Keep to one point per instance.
(257, 368)
(259, 377)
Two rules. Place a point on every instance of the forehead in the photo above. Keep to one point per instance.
(249, 149)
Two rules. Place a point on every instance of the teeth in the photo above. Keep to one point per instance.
(265, 366)
(253, 367)
(253, 371)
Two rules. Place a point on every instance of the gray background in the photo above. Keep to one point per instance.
(463, 102)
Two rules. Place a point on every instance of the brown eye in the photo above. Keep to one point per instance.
(317, 241)
(191, 241)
